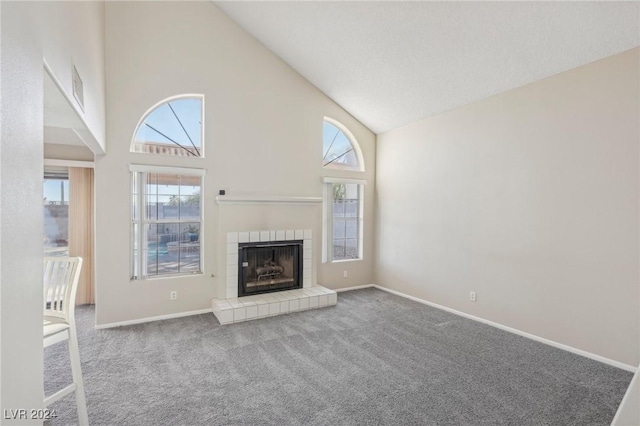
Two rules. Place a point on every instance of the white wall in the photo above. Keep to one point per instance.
(27, 29)
(529, 198)
(21, 186)
(73, 35)
(67, 152)
(263, 136)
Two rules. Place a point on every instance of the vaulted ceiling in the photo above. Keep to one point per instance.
(392, 63)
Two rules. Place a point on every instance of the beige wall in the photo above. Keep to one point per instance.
(529, 198)
(28, 30)
(263, 136)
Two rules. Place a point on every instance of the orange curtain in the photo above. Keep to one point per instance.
(81, 235)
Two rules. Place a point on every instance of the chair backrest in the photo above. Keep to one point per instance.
(61, 275)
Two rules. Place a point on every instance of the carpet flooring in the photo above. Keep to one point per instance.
(374, 359)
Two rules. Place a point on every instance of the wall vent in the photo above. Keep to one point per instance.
(78, 89)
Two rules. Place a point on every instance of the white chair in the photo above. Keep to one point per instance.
(61, 275)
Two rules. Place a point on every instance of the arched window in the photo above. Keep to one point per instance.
(340, 149)
(343, 196)
(172, 127)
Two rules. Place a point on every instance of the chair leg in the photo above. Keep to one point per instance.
(76, 372)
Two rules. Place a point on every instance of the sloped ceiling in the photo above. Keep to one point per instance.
(392, 63)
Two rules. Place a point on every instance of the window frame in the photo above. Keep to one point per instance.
(138, 195)
(56, 173)
(327, 218)
(354, 144)
(157, 105)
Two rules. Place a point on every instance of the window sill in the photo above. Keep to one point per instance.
(345, 260)
(166, 277)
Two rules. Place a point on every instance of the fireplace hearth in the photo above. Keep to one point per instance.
(230, 308)
(265, 267)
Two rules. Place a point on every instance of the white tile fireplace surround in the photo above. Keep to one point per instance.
(232, 308)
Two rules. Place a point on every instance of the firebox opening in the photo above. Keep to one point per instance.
(267, 267)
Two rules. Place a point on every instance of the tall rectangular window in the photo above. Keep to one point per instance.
(343, 220)
(166, 222)
(56, 211)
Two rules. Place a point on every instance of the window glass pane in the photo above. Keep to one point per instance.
(351, 229)
(171, 243)
(152, 207)
(338, 228)
(338, 149)
(134, 196)
(351, 249)
(190, 207)
(151, 249)
(167, 191)
(189, 185)
(169, 233)
(136, 238)
(190, 258)
(167, 247)
(345, 235)
(56, 216)
(350, 159)
(350, 191)
(339, 191)
(169, 263)
(152, 183)
(168, 207)
(339, 194)
(190, 232)
(173, 128)
(168, 185)
(351, 208)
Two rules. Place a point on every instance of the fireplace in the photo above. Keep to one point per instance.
(265, 267)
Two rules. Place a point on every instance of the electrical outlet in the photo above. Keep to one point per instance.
(472, 296)
(173, 295)
(345, 274)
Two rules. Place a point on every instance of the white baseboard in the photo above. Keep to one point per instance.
(358, 287)
(151, 319)
(555, 344)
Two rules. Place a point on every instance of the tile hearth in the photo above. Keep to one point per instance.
(270, 304)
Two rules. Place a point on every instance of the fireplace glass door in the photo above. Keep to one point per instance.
(269, 267)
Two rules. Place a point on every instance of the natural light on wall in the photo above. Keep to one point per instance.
(173, 127)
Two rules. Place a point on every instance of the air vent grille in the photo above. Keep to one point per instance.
(78, 88)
